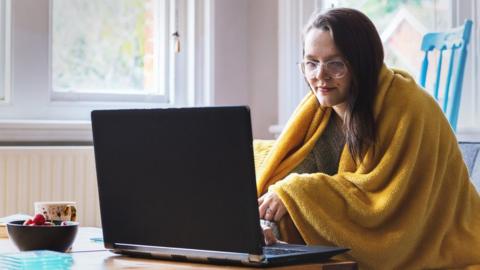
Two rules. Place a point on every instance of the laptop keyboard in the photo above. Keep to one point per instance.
(279, 251)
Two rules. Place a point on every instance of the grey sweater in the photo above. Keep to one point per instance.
(325, 155)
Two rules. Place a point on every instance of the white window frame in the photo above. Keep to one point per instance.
(293, 14)
(190, 84)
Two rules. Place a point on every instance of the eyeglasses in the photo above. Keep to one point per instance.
(334, 68)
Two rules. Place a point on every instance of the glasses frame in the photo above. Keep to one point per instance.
(321, 66)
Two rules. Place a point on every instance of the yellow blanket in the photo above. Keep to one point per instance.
(410, 203)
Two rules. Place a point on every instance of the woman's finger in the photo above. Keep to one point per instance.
(260, 200)
(269, 213)
(269, 236)
(281, 211)
(262, 209)
(265, 204)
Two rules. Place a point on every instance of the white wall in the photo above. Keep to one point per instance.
(246, 59)
(230, 31)
(29, 52)
(263, 63)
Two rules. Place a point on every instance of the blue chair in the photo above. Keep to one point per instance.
(455, 40)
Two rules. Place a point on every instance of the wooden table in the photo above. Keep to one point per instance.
(93, 256)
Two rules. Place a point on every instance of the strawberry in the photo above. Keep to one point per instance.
(28, 222)
(39, 219)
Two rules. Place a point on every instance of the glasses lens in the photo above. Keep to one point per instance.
(335, 68)
(310, 68)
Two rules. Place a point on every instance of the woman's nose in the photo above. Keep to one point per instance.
(321, 74)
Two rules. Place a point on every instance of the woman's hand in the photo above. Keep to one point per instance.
(269, 236)
(271, 207)
(268, 233)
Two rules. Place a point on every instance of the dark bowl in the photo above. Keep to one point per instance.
(56, 238)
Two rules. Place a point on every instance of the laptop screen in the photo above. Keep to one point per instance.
(180, 178)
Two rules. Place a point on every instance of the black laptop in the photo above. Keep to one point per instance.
(179, 184)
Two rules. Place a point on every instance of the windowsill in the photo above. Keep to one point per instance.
(45, 131)
(275, 130)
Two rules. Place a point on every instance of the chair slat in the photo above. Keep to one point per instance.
(423, 73)
(453, 114)
(447, 84)
(436, 86)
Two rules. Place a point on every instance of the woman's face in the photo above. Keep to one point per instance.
(326, 70)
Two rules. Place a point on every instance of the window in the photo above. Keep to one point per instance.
(401, 25)
(72, 57)
(110, 50)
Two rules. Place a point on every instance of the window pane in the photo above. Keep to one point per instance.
(107, 46)
(402, 24)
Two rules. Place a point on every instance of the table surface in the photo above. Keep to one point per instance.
(88, 254)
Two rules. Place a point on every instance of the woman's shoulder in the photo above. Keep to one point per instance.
(406, 110)
(405, 93)
(401, 104)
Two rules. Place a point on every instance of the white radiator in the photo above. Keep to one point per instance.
(64, 173)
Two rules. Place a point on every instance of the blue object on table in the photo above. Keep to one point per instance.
(36, 260)
(455, 41)
(97, 239)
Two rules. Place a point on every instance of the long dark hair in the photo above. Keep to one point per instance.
(357, 39)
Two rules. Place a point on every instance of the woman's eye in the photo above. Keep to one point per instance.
(336, 65)
(310, 64)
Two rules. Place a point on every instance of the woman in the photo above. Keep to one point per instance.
(368, 160)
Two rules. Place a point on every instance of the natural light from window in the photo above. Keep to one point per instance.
(402, 24)
(108, 49)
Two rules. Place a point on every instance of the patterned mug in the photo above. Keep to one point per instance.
(61, 211)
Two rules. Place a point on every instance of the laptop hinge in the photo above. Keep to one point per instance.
(256, 258)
